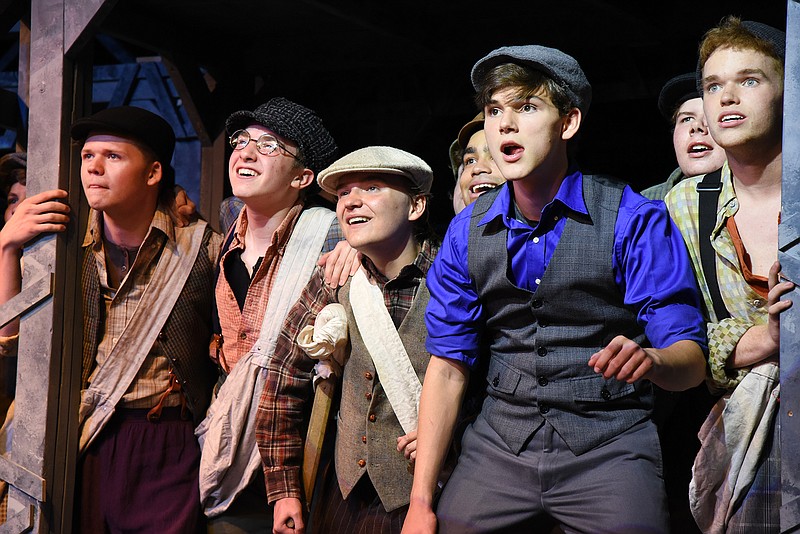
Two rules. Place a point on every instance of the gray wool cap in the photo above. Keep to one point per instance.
(293, 122)
(379, 160)
(561, 67)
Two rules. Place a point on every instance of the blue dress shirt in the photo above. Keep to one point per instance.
(651, 268)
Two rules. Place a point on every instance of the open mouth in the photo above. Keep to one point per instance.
(246, 173)
(357, 220)
(511, 149)
(731, 118)
(477, 189)
(699, 148)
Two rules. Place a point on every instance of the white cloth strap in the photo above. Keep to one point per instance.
(398, 378)
(230, 457)
(115, 375)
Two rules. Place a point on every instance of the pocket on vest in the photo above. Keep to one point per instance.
(599, 389)
(502, 378)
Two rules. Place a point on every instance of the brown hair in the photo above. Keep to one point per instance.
(527, 81)
(731, 33)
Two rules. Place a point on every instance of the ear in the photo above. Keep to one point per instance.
(156, 172)
(418, 205)
(571, 124)
(303, 180)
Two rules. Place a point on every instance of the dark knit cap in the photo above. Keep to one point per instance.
(138, 124)
(561, 67)
(295, 123)
(675, 92)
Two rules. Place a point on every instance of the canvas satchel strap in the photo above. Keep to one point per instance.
(395, 371)
(115, 375)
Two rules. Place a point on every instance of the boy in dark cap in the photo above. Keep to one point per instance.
(474, 169)
(266, 260)
(696, 151)
(740, 73)
(147, 292)
(583, 292)
(382, 199)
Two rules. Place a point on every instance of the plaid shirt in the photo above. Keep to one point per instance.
(745, 306)
(242, 326)
(287, 394)
(120, 303)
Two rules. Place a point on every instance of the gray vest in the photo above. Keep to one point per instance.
(367, 428)
(540, 342)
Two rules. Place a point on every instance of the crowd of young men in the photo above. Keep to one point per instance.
(564, 296)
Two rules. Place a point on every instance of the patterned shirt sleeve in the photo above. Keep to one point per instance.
(285, 400)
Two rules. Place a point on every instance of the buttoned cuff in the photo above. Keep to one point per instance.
(283, 483)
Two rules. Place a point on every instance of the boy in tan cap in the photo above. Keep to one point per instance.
(382, 198)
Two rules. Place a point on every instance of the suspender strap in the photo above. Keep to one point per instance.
(708, 193)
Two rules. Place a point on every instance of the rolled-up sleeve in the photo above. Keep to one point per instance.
(454, 313)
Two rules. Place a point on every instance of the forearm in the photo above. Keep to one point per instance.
(677, 367)
(442, 393)
(753, 347)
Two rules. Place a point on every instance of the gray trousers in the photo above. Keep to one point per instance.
(617, 487)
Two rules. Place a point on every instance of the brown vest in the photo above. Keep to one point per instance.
(367, 428)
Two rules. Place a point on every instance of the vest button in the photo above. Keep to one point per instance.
(537, 303)
(243, 335)
(362, 463)
(542, 351)
(542, 381)
(544, 324)
(363, 439)
(544, 409)
(368, 395)
(605, 394)
(496, 381)
(161, 337)
(368, 375)
(372, 418)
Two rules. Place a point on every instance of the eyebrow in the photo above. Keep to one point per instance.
(743, 72)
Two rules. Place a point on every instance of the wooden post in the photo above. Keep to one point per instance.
(789, 256)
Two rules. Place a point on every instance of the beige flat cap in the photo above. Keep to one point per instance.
(379, 159)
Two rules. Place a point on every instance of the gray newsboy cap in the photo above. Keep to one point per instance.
(293, 122)
(380, 160)
(561, 67)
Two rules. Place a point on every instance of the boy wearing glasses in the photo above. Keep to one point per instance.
(569, 280)
(266, 260)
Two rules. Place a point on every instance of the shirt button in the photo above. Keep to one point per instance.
(243, 335)
(535, 239)
(542, 351)
(544, 409)
(542, 381)
(368, 375)
(363, 439)
(362, 463)
(538, 281)
(372, 418)
(368, 395)
(757, 303)
(555, 217)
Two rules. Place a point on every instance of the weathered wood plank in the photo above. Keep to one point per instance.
(80, 18)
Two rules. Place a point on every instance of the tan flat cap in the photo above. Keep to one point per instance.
(378, 159)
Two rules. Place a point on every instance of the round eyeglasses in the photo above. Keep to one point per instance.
(266, 144)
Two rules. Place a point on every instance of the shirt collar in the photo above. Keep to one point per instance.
(417, 269)
(281, 235)
(569, 197)
(94, 230)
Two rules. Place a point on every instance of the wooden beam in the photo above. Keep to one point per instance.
(212, 179)
(195, 95)
(80, 19)
(789, 256)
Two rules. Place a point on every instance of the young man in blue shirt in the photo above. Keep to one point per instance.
(582, 293)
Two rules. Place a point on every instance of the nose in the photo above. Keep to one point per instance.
(353, 198)
(699, 126)
(93, 165)
(508, 122)
(482, 165)
(728, 94)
